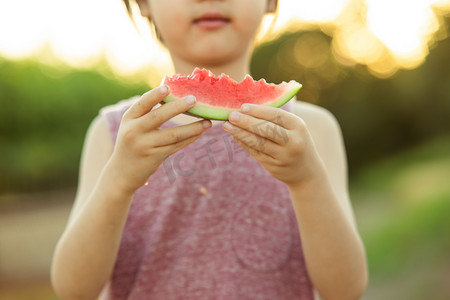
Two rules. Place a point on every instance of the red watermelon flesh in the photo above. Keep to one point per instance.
(218, 96)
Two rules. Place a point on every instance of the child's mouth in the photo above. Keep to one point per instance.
(211, 21)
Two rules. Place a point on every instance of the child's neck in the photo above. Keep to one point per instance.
(236, 69)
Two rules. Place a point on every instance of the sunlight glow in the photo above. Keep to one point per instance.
(75, 39)
(17, 38)
(404, 26)
(385, 35)
(318, 11)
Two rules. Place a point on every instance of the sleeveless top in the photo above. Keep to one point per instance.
(211, 223)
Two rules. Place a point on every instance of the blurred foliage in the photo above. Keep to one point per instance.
(44, 114)
(45, 110)
(402, 206)
(378, 116)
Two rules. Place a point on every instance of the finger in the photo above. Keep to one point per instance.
(264, 128)
(147, 102)
(255, 142)
(256, 149)
(172, 148)
(167, 111)
(174, 135)
(272, 114)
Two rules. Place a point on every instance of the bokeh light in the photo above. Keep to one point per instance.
(318, 11)
(385, 35)
(406, 32)
(388, 35)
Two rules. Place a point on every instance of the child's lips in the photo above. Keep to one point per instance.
(212, 21)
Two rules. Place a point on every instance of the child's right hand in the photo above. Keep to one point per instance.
(141, 146)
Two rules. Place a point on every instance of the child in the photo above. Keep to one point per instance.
(169, 207)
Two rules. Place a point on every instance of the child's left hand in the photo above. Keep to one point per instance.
(277, 139)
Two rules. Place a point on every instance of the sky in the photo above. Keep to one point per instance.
(81, 32)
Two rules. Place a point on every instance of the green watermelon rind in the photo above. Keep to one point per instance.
(216, 113)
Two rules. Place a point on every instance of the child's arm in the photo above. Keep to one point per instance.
(86, 253)
(308, 155)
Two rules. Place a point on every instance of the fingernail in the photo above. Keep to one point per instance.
(206, 124)
(227, 126)
(234, 116)
(164, 89)
(245, 107)
(190, 99)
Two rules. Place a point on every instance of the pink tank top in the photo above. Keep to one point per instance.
(211, 224)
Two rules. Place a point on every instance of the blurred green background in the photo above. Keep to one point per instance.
(396, 129)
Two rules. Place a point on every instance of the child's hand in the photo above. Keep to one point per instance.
(277, 139)
(141, 146)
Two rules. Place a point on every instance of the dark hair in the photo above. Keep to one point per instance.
(150, 23)
(128, 7)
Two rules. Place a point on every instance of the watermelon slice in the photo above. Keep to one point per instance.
(217, 97)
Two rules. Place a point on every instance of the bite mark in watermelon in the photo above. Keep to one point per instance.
(218, 96)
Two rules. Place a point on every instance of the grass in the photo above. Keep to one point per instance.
(45, 112)
(37, 290)
(402, 207)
